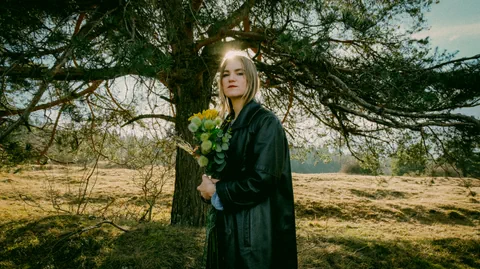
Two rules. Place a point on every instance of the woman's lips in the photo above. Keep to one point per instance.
(232, 86)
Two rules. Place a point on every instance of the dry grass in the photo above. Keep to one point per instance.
(343, 221)
(391, 206)
(347, 221)
(25, 193)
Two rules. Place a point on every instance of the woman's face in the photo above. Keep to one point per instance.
(234, 81)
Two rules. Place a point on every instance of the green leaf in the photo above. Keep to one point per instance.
(221, 166)
(221, 155)
(225, 146)
(218, 160)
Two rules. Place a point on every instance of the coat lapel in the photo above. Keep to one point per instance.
(246, 115)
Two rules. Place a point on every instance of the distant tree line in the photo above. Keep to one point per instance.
(313, 161)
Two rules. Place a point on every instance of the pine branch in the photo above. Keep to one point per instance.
(59, 63)
(463, 119)
(233, 20)
(151, 116)
(453, 61)
(60, 101)
(80, 74)
(32, 53)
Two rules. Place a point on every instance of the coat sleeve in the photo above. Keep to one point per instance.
(268, 159)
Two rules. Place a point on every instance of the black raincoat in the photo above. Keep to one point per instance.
(256, 229)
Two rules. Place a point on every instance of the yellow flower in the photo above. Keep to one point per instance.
(209, 114)
(199, 115)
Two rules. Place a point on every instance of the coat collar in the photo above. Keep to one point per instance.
(246, 115)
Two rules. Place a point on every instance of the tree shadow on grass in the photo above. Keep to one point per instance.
(341, 252)
(157, 246)
(54, 242)
(47, 243)
(371, 211)
(431, 216)
(381, 194)
(59, 242)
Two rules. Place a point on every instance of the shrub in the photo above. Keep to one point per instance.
(442, 171)
(411, 160)
(354, 168)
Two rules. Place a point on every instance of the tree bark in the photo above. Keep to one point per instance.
(192, 95)
(187, 207)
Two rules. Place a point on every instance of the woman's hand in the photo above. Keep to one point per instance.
(207, 188)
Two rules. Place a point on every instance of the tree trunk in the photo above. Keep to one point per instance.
(192, 96)
(187, 207)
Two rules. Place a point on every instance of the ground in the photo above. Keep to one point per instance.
(343, 221)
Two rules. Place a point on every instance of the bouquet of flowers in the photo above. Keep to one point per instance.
(211, 141)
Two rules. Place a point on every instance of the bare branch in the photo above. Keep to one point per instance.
(355, 41)
(81, 74)
(196, 4)
(290, 102)
(54, 131)
(98, 225)
(151, 116)
(36, 97)
(63, 100)
(166, 99)
(453, 61)
(113, 99)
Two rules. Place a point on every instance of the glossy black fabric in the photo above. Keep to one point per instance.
(256, 229)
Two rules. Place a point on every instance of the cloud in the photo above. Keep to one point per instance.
(453, 37)
(451, 32)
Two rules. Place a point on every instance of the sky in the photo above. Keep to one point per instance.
(455, 26)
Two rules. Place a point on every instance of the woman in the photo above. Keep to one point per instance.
(254, 197)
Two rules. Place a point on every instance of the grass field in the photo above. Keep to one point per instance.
(343, 221)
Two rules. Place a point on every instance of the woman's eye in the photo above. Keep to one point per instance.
(240, 74)
(225, 75)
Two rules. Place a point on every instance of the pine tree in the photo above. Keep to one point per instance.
(351, 67)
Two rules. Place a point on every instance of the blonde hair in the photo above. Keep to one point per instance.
(251, 76)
